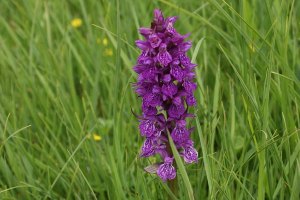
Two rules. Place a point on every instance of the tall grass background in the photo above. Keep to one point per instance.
(59, 86)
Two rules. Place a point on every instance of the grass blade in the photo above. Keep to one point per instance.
(181, 169)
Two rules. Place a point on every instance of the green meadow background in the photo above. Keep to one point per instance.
(66, 126)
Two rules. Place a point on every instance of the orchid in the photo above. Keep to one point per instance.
(165, 84)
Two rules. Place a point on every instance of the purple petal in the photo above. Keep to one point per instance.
(158, 16)
(177, 100)
(177, 38)
(169, 25)
(143, 88)
(180, 134)
(185, 61)
(144, 59)
(190, 154)
(175, 111)
(164, 58)
(154, 40)
(166, 171)
(152, 99)
(143, 45)
(185, 46)
(148, 75)
(181, 123)
(139, 68)
(170, 20)
(190, 100)
(167, 78)
(148, 110)
(162, 151)
(189, 86)
(156, 89)
(145, 31)
(175, 62)
(177, 72)
(148, 128)
(147, 148)
(169, 89)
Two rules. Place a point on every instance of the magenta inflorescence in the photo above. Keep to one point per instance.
(165, 84)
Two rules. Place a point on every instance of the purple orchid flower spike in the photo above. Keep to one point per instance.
(166, 86)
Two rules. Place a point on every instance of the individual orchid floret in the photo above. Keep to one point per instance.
(166, 86)
(167, 171)
(164, 57)
(190, 154)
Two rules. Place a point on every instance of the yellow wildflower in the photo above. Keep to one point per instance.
(76, 22)
(97, 137)
(252, 48)
(108, 52)
(105, 42)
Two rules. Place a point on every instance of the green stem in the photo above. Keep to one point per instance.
(173, 185)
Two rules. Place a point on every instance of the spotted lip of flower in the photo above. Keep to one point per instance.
(165, 84)
(190, 154)
(169, 89)
(149, 128)
(148, 148)
(180, 134)
(167, 171)
(177, 72)
(164, 57)
(154, 40)
(175, 111)
(190, 100)
(152, 99)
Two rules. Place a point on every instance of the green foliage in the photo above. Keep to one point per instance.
(60, 85)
